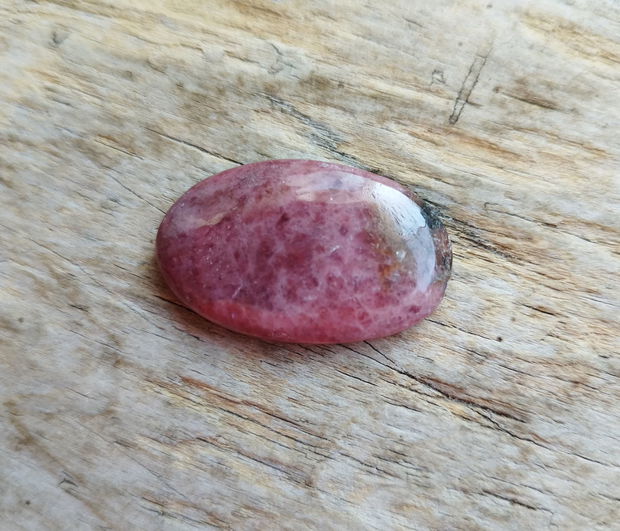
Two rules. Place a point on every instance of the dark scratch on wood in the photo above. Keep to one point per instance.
(470, 81)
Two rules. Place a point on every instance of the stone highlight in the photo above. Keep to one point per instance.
(304, 251)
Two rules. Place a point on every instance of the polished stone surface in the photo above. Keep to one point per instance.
(304, 251)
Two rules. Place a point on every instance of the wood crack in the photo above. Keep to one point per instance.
(514, 501)
(294, 476)
(442, 389)
(136, 194)
(349, 375)
(532, 99)
(321, 134)
(195, 146)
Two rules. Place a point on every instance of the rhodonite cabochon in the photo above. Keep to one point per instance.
(304, 251)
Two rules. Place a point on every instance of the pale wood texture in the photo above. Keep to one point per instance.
(122, 410)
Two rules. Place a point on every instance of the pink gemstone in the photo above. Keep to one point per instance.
(304, 251)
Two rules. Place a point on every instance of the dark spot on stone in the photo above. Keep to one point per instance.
(20, 319)
(283, 219)
(500, 339)
(27, 502)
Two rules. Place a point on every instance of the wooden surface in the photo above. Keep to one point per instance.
(122, 410)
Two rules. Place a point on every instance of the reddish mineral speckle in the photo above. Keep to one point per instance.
(304, 251)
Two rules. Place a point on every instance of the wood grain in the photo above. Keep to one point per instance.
(122, 410)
